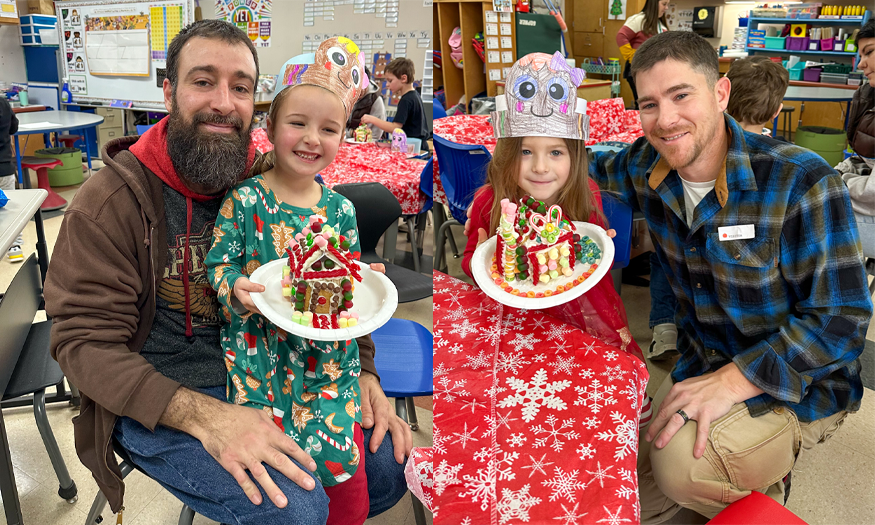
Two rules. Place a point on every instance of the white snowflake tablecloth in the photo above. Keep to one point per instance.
(534, 421)
(420, 476)
(369, 163)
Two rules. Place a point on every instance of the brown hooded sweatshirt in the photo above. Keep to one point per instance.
(100, 291)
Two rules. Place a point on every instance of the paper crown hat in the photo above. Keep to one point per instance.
(337, 66)
(540, 100)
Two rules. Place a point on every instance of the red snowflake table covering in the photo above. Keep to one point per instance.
(420, 476)
(369, 163)
(535, 421)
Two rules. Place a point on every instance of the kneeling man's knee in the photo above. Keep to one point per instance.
(682, 477)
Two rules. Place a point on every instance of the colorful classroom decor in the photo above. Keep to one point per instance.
(166, 23)
(252, 17)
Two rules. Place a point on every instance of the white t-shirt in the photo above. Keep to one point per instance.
(694, 192)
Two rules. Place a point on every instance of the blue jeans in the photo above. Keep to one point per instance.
(663, 303)
(181, 465)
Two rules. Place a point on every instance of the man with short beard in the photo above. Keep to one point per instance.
(136, 324)
(758, 241)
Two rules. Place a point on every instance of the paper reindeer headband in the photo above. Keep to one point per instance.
(337, 66)
(540, 100)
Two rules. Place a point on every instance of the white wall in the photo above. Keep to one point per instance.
(11, 55)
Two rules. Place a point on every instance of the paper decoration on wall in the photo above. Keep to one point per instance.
(77, 40)
(540, 99)
(385, 9)
(381, 60)
(616, 9)
(116, 45)
(252, 17)
(502, 6)
(71, 17)
(166, 24)
(78, 84)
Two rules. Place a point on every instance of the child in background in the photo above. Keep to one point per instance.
(758, 87)
(372, 104)
(409, 115)
(309, 388)
(546, 158)
(8, 128)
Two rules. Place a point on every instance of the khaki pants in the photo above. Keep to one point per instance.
(743, 454)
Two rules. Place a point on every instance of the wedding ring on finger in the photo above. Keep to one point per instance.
(684, 415)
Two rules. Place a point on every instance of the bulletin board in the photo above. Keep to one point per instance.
(117, 50)
(398, 27)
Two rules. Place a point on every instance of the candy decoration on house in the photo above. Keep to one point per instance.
(536, 245)
(399, 141)
(337, 65)
(541, 100)
(319, 277)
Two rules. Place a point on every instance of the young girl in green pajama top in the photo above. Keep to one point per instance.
(310, 388)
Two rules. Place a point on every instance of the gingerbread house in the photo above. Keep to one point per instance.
(320, 274)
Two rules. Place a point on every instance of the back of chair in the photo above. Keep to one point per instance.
(463, 170)
(619, 217)
(375, 210)
(439, 111)
(426, 184)
(17, 309)
(141, 128)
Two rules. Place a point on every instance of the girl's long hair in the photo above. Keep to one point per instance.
(503, 173)
(652, 18)
(267, 161)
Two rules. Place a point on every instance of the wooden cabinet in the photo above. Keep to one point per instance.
(589, 44)
(469, 16)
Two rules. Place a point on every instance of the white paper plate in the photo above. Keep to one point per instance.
(351, 140)
(481, 267)
(375, 300)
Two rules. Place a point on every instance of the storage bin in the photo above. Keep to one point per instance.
(775, 42)
(812, 74)
(826, 44)
(842, 69)
(813, 45)
(833, 78)
(797, 43)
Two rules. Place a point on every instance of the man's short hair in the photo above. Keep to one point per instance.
(402, 66)
(868, 31)
(682, 46)
(758, 87)
(208, 28)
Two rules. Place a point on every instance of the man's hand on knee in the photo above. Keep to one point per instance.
(241, 439)
(377, 412)
(703, 399)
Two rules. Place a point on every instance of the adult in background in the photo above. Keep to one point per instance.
(372, 104)
(637, 29)
(758, 241)
(857, 170)
(136, 325)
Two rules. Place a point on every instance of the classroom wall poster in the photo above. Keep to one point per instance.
(78, 84)
(166, 22)
(616, 9)
(251, 16)
(115, 45)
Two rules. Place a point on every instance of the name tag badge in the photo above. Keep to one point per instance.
(734, 233)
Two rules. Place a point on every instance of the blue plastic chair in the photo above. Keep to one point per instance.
(143, 128)
(438, 110)
(462, 171)
(404, 362)
(619, 217)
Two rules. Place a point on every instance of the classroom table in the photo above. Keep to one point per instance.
(14, 216)
(534, 420)
(370, 163)
(42, 122)
(22, 205)
(810, 91)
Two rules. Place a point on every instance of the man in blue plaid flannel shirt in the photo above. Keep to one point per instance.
(759, 244)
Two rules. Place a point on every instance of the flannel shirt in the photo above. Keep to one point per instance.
(790, 307)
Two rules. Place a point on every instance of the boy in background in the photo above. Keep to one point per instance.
(8, 128)
(758, 88)
(409, 115)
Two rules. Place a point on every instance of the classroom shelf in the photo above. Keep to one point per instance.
(795, 52)
(804, 21)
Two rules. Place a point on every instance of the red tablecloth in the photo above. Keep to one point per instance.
(369, 163)
(534, 421)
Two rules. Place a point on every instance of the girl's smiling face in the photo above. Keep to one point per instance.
(544, 167)
(308, 130)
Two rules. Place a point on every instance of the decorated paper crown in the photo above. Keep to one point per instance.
(337, 66)
(540, 100)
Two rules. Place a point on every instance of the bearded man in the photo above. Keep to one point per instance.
(136, 325)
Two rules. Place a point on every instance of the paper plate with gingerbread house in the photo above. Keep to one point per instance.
(539, 259)
(320, 292)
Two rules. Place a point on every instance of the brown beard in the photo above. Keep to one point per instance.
(215, 161)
